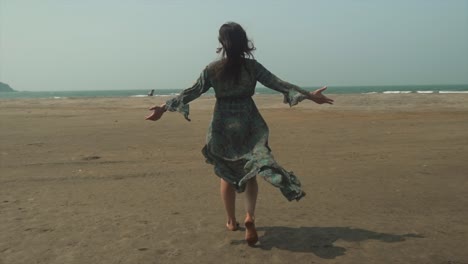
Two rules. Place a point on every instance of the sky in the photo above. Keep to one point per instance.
(64, 45)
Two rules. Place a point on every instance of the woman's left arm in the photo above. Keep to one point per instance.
(293, 94)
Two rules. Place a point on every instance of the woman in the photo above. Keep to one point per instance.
(237, 139)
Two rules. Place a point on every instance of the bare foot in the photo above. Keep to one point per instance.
(232, 225)
(250, 232)
(300, 196)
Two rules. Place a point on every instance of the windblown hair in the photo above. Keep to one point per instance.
(235, 48)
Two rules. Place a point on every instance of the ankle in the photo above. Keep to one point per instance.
(249, 218)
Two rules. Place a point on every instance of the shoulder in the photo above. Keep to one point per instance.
(253, 63)
(211, 69)
(217, 63)
(212, 65)
(257, 66)
(250, 61)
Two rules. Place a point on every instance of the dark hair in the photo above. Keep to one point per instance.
(235, 47)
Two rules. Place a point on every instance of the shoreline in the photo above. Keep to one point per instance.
(379, 89)
(364, 102)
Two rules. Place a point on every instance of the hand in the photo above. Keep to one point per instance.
(158, 111)
(319, 98)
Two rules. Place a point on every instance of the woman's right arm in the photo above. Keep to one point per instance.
(180, 102)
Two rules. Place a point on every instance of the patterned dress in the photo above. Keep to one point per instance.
(237, 138)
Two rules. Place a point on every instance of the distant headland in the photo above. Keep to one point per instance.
(5, 88)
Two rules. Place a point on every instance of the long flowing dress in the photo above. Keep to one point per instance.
(237, 138)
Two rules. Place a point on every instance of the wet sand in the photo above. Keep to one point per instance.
(90, 181)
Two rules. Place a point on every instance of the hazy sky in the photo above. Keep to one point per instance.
(104, 44)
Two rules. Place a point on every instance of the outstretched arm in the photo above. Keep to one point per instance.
(180, 102)
(293, 94)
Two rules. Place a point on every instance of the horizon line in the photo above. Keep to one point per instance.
(313, 86)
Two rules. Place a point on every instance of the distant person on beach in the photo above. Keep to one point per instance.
(151, 93)
(237, 139)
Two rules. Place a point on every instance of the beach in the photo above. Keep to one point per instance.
(88, 180)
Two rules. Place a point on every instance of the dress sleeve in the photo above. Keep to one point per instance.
(293, 94)
(180, 102)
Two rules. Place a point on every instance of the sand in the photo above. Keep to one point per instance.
(90, 181)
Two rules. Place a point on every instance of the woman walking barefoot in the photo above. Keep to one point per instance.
(237, 138)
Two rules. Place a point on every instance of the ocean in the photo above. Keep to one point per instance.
(421, 89)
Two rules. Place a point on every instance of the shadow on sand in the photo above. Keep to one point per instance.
(318, 240)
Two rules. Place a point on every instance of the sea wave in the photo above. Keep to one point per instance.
(451, 92)
(155, 95)
(396, 92)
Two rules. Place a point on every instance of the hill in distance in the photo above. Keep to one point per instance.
(5, 88)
